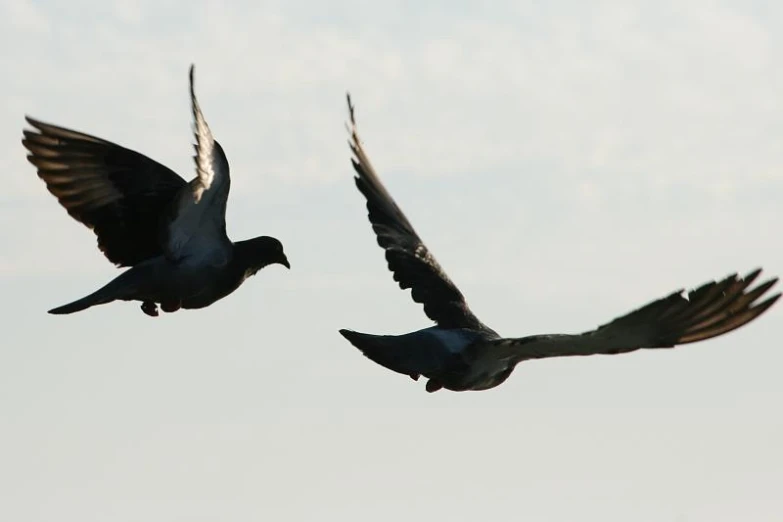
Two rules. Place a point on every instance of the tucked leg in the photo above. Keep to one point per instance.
(170, 306)
(433, 386)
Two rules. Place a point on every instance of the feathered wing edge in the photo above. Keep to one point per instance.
(711, 310)
(409, 260)
(118, 193)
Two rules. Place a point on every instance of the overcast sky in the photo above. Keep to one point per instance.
(565, 161)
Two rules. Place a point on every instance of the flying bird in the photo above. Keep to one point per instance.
(171, 233)
(461, 353)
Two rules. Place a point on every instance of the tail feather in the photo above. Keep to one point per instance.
(78, 305)
(409, 354)
(122, 287)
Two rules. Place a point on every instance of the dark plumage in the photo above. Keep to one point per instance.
(170, 232)
(460, 353)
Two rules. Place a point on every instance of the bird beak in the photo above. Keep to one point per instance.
(285, 263)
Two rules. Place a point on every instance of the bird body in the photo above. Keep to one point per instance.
(461, 353)
(187, 284)
(170, 233)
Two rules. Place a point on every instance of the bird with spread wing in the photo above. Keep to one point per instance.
(171, 233)
(460, 353)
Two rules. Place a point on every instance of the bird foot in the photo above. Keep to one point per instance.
(433, 386)
(414, 376)
(149, 308)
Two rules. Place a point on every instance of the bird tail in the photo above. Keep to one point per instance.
(408, 354)
(123, 287)
(80, 304)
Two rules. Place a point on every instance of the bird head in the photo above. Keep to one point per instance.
(261, 251)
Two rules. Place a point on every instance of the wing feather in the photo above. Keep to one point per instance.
(411, 263)
(118, 193)
(711, 310)
(197, 224)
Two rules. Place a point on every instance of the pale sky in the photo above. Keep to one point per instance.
(565, 161)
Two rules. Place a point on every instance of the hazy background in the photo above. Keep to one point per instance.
(565, 164)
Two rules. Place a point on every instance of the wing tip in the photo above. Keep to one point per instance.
(351, 108)
(39, 127)
(753, 274)
(353, 140)
(768, 302)
(749, 309)
(192, 84)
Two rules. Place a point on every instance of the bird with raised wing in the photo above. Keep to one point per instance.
(171, 233)
(460, 353)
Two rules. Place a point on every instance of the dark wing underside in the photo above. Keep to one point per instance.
(118, 193)
(409, 259)
(709, 311)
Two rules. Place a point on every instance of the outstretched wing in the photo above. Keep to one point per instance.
(711, 310)
(409, 259)
(118, 193)
(198, 220)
